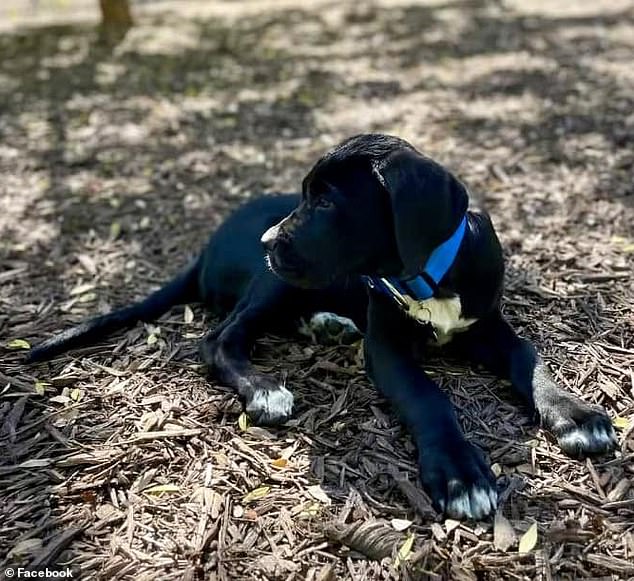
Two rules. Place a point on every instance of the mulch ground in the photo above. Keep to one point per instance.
(126, 461)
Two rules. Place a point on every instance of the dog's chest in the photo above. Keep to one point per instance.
(444, 315)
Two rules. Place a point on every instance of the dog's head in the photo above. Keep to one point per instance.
(373, 205)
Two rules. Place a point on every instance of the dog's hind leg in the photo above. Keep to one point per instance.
(581, 429)
(268, 304)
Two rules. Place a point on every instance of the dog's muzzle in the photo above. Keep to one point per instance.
(270, 238)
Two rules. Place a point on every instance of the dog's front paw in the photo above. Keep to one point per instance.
(582, 430)
(269, 404)
(459, 480)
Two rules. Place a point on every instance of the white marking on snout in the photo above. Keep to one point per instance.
(271, 234)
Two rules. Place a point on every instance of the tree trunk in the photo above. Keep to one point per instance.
(115, 14)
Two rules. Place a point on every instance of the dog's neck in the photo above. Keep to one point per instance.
(424, 284)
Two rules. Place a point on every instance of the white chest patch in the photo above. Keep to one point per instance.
(443, 314)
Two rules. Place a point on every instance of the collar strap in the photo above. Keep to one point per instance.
(425, 284)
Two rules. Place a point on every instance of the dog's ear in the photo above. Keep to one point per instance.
(428, 204)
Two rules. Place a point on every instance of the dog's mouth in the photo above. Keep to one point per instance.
(280, 269)
(293, 274)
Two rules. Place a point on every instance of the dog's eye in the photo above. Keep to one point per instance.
(323, 203)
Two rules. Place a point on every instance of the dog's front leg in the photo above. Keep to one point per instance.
(267, 304)
(453, 470)
(581, 429)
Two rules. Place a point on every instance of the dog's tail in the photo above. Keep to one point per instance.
(182, 289)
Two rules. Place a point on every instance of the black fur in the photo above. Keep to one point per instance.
(372, 206)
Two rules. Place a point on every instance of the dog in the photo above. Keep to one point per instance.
(381, 235)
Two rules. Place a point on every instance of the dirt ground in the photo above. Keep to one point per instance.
(125, 461)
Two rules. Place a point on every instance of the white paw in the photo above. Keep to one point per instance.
(270, 406)
(474, 503)
(588, 439)
(329, 328)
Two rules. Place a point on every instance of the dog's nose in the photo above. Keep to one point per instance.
(270, 237)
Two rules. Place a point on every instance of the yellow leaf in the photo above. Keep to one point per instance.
(19, 344)
(188, 315)
(40, 387)
(628, 248)
(75, 394)
(310, 511)
(256, 494)
(152, 339)
(405, 551)
(279, 463)
(161, 489)
(243, 422)
(115, 230)
(620, 423)
(528, 540)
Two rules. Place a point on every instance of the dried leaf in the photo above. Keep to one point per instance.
(80, 289)
(317, 492)
(503, 534)
(40, 387)
(107, 512)
(27, 547)
(399, 524)
(620, 423)
(188, 315)
(250, 514)
(19, 344)
(36, 463)
(528, 540)
(280, 463)
(162, 488)
(310, 510)
(115, 230)
(256, 494)
(405, 551)
(451, 525)
(244, 422)
(60, 399)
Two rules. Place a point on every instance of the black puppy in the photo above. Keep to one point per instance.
(381, 235)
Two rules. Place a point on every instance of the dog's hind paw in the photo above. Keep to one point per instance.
(588, 432)
(330, 329)
(270, 405)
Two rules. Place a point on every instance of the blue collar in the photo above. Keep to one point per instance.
(424, 285)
